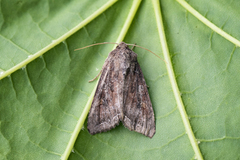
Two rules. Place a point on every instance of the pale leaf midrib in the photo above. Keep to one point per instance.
(57, 41)
(173, 82)
(208, 23)
(84, 114)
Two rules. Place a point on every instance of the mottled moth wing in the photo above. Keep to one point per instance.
(106, 109)
(137, 110)
(121, 95)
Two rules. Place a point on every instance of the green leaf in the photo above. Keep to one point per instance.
(45, 94)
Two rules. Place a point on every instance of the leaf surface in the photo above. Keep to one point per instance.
(41, 103)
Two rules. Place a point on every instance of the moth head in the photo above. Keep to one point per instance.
(122, 45)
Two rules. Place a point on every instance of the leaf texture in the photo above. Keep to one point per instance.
(40, 104)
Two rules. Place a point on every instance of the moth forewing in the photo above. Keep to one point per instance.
(122, 95)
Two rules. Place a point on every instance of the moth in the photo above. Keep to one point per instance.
(121, 96)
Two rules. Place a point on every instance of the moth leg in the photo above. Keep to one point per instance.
(95, 77)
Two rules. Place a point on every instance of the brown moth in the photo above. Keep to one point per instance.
(122, 96)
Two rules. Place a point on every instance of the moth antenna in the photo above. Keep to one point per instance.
(95, 45)
(148, 51)
(133, 46)
(117, 44)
